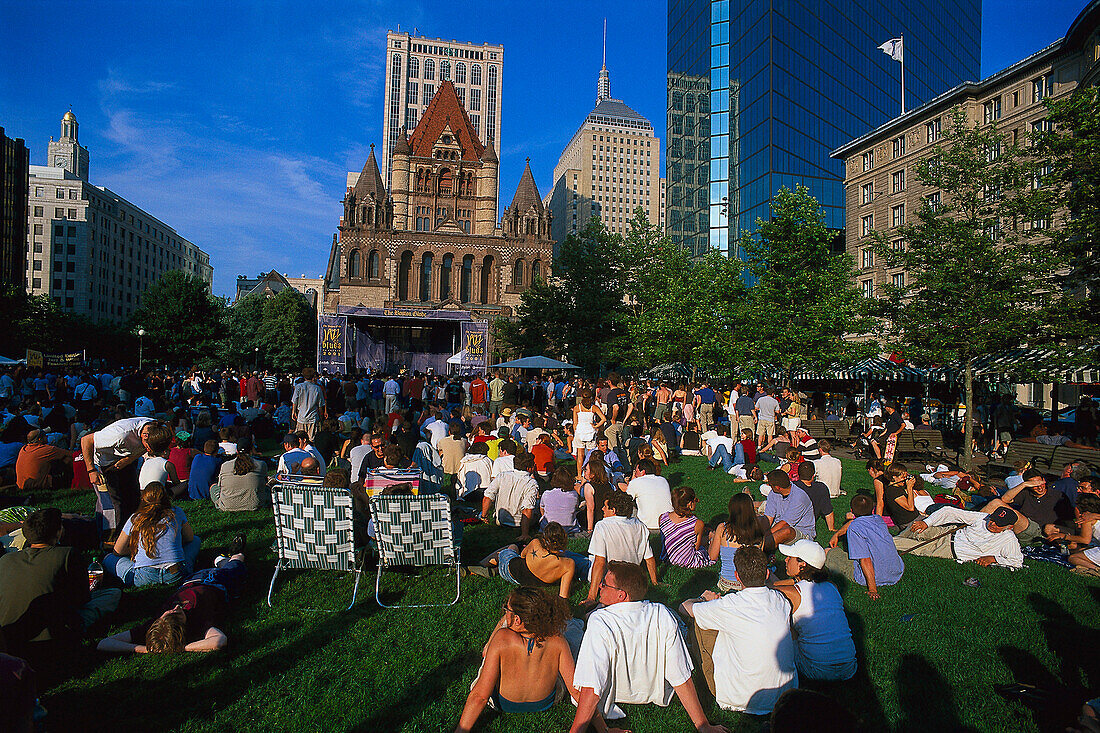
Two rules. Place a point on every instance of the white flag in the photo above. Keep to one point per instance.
(893, 49)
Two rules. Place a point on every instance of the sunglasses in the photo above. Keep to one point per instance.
(605, 584)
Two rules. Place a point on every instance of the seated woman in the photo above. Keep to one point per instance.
(241, 482)
(524, 659)
(660, 448)
(824, 649)
(898, 499)
(743, 527)
(683, 532)
(560, 503)
(156, 544)
(596, 487)
(690, 443)
(541, 562)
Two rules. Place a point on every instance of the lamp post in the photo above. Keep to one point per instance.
(141, 344)
(256, 358)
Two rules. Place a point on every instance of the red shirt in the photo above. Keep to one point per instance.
(477, 391)
(750, 451)
(792, 468)
(181, 459)
(544, 457)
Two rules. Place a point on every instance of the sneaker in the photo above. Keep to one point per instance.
(236, 546)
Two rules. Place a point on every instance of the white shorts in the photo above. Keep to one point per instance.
(583, 444)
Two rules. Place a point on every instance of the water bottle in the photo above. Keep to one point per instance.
(95, 573)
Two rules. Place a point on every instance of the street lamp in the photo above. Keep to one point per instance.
(256, 358)
(141, 344)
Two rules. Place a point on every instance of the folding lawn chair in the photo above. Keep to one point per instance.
(417, 531)
(313, 528)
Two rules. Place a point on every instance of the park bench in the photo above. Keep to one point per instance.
(1040, 456)
(924, 442)
(1063, 456)
(832, 429)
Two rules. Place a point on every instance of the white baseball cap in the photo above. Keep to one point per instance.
(806, 550)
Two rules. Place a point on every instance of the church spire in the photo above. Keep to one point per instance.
(603, 88)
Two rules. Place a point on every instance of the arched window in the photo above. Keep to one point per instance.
(403, 274)
(445, 277)
(475, 74)
(517, 273)
(353, 264)
(486, 277)
(414, 66)
(536, 271)
(426, 277)
(460, 73)
(446, 182)
(374, 265)
(466, 279)
(429, 71)
(444, 70)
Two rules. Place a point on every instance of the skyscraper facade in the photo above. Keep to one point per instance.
(14, 169)
(88, 248)
(417, 67)
(610, 167)
(760, 93)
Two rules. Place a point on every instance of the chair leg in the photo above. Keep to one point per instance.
(458, 583)
(271, 588)
(355, 588)
(378, 584)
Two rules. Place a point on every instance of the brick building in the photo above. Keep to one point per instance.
(881, 187)
(411, 265)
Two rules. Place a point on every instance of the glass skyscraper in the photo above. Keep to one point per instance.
(761, 91)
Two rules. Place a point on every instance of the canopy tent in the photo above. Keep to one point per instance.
(881, 369)
(5, 361)
(1070, 365)
(535, 362)
(670, 371)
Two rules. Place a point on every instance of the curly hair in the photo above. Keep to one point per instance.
(554, 538)
(543, 615)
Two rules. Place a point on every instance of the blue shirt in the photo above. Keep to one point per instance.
(795, 509)
(204, 470)
(705, 395)
(1068, 486)
(868, 537)
(169, 549)
(9, 452)
(376, 386)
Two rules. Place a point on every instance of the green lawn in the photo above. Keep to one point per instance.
(371, 669)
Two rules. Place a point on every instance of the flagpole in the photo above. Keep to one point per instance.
(903, 74)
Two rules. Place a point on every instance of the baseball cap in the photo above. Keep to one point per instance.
(1003, 517)
(806, 550)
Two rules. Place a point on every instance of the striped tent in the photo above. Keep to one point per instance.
(1077, 365)
(670, 372)
(879, 368)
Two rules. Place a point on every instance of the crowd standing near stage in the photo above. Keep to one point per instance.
(552, 457)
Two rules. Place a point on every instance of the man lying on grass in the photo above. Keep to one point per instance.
(193, 617)
(986, 539)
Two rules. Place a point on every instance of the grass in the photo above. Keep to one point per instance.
(372, 669)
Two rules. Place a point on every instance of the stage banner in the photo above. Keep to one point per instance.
(331, 333)
(39, 359)
(475, 342)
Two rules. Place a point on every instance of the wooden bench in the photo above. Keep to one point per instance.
(1063, 456)
(1040, 456)
(923, 442)
(833, 429)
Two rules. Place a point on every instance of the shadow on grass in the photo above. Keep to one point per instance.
(926, 698)
(421, 695)
(1054, 706)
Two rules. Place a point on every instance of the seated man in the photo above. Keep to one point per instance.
(983, 538)
(651, 492)
(719, 436)
(296, 450)
(871, 559)
(615, 468)
(748, 659)
(204, 471)
(44, 588)
(632, 652)
(515, 494)
(1044, 511)
(789, 510)
(619, 536)
(829, 469)
(817, 491)
(194, 617)
(40, 465)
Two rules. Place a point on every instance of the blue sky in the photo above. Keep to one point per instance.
(235, 123)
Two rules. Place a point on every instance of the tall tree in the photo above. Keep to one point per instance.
(803, 301)
(981, 275)
(288, 334)
(243, 321)
(182, 320)
(1069, 158)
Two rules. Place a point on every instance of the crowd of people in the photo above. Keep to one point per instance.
(551, 457)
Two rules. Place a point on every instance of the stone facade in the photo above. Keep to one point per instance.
(881, 187)
(433, 242)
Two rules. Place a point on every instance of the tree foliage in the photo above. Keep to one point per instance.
(1069, 160)
(182, 320)
(982, 278)
(802, 302)
(287, 336)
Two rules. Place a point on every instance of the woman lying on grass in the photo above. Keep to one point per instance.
(524, 659)
(540, 562)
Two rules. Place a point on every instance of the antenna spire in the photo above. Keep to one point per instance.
(605, 43)
(603, 87)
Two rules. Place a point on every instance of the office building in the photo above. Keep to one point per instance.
(14, 172)
(418, 265)
(90, 249)
(882, 190)
(415, 70)
(610, 167)
(759, 94)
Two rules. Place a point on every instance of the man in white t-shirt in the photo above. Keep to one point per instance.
(513, 494)
(651, 492)
(719, 436)
(506, 457)
(750, 661)
(829, 469)
(110, 455)
(434, 430)
(618, 536)
(632, 652)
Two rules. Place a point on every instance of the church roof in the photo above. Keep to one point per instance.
(370, 180)
(527, 193)
(490, 155)
(446, 111)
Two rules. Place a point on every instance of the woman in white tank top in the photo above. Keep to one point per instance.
(587, 419)
(824, 649)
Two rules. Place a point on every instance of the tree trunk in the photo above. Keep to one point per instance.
(968, 427)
